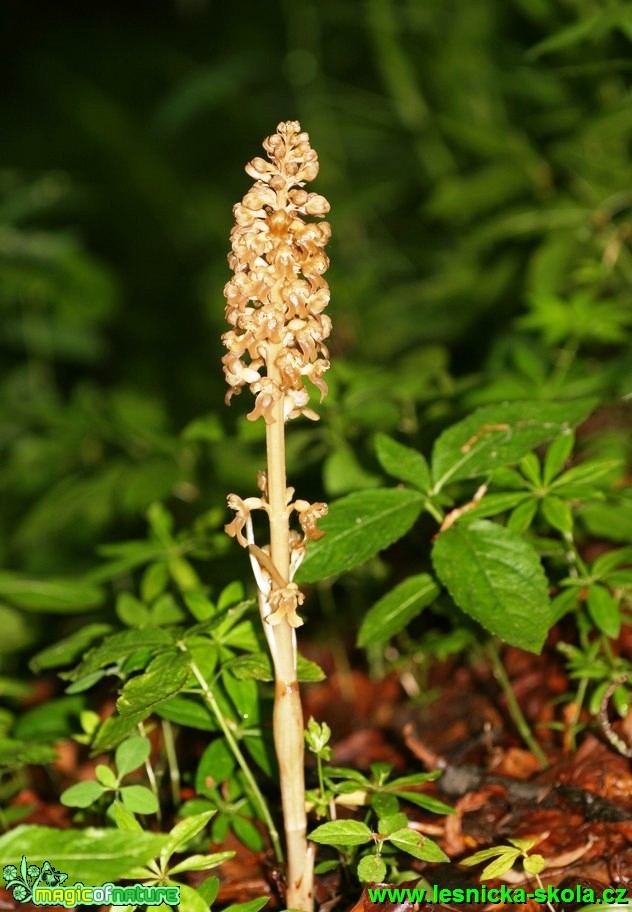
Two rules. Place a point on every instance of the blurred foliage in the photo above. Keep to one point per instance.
(477, 160)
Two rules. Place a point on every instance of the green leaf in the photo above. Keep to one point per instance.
(612, 521)
(342, 472)
(397, 608)
(402, 462)
(391, 824)
(216, 766)
(418, 846)
(114, 729)
(58, 597)
(522, 517)
(357, 527)
(500, 866)
(604, 611)
(341, 833)
(154, 581)
(494, 504)
(138, 799)
(89, 855)
(184, 831)
(585, 474)
(426, 801)
(247, 833)
(556, 456)
(166, 675)
(125, 820)
(534, 864)
(69, 649)
(200, 862)
(208, 890)
(105, 776)
(187, 711)
(611, 559)
(131, 611)
(114, 649)
(16, 754)
(83, 794)
(190, 900)
(500, 435)
(131, 754)
(200, 606)
(492, 852)
(496, 578)
(371, 869)
(252, 905)
(557, 513)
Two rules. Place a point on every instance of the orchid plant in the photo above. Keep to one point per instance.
(275, 306)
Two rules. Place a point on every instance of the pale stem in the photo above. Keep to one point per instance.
(172, 760)
(287, 720)
(255, 791)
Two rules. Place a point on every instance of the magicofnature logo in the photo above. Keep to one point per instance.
(46, 886)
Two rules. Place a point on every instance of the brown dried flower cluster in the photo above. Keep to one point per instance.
(276, 299)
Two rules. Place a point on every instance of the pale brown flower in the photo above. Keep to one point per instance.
(276, 298)
(284, 603)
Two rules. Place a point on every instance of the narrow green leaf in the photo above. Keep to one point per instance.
(499, 435)
(184, 831)
(586, 473)
(522, 517)
(208, 890)
(341, 833)
(496, 578)
(125, 820)
(556, 456)
(357, 527)
(200, 862)
(402, 462)
(500, 866)
(252, 905)
(557, 513)
(397, 608)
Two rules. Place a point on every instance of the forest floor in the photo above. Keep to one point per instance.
(579, 808)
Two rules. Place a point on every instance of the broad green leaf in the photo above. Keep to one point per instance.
(534, 864)
(51, 597)
(166, 675)
(216, 766)
(83, 794)
(138, 799)
(131, 754)
(200, 862)
(89, 855)
(69, 649)
(356, 528)
(341, 833)
(397, 608)
(342, 472)
(114, 729)
(200, 606)
(496, 578)
(114, 649)
(391, 824)
(371, 869)
(184, 831)
(105, 776)
(418, 846)
(500, 435)
(187, 711)
(402, 462)
(604, 611)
